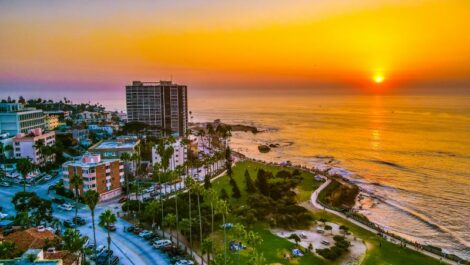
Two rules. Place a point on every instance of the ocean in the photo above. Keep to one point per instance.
(410, 155)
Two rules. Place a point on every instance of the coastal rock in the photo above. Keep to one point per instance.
(263, 148)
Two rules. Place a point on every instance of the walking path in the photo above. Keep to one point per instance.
(313, 201)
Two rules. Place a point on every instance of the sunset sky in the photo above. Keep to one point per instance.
(103, 45)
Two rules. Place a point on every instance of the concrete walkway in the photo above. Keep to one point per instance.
(314, 202)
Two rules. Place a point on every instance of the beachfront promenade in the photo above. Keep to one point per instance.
(314, 202)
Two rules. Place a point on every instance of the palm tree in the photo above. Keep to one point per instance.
(126, 158)
(38, 145)
(212, 198)
(189, 184)
(25, 166)
(152, 209)
(256, 259)
(239, 233)
(76, 181)
(73, 242)
(207, 246)
(170, 221)
(108, 218)
(222, 208)
(91, 199)
(199, 190)
(135, 158)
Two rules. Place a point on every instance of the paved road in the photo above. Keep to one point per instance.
(313, 201)
(131, 249)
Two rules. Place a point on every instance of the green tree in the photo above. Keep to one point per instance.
(91, 199)
(296, 238)
(152, 209)
(199, 190)
(73, 242)
(222, 209)
(189, 183)
(250, 185)
(108, 218)
(170, 222)
(223, 194)
(126, 158)
(24, 166)
(235, 190)
(257, 259)
(207, 247)
(7, 249)
(207, 182)
(76, 182)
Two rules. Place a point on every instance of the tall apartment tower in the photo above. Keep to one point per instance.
(162, 105)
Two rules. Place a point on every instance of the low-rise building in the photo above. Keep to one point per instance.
(102, 175)
(178, 158)
(113, 149)
(15, 118)
(30, 146)
(39, 257)
(52, 122)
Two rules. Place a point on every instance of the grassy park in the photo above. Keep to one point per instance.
(274, 248)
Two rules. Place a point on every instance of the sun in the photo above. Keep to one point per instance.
(378, 79)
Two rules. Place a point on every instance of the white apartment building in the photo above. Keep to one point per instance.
(179, 155)
(26, 145)
(15, 118)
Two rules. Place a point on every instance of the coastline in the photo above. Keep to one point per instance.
(358, 219)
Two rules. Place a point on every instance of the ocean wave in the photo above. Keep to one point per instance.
(417, 215)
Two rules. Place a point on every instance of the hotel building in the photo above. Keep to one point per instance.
(102, 175)
(161, 105)
(15, 118)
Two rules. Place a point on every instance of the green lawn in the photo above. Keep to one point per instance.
(303, 193)
(274, 247)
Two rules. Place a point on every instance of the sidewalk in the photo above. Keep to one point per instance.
(313, 201)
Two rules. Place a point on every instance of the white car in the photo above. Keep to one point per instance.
(100, 248)
(184, 262)
(161, 243)
(66, 207)
(41, 228)
(50, 229)
(145, 233)
(3, 215)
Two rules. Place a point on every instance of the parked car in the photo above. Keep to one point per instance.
(78, 220)
(58, 200)
(150, 236)
(184, 262)
(5, 184)
(130, 229)
(161, 243)
(137, 230)
(112, 228)
(65, 207)
(51, 250)
(69, 224)
(41, 228)
(100, 248)
(326, 243)
(3, 215)
(107, 260)
(122, 200)
(145, 233)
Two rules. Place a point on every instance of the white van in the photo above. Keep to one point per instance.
(161, 243)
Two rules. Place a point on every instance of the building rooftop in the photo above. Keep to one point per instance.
(88, 160)
(30, 238)
(119, 143)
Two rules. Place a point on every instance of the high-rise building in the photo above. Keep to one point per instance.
(161, 105)
(15, 118)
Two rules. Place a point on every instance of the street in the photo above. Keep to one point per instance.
(130, 248)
